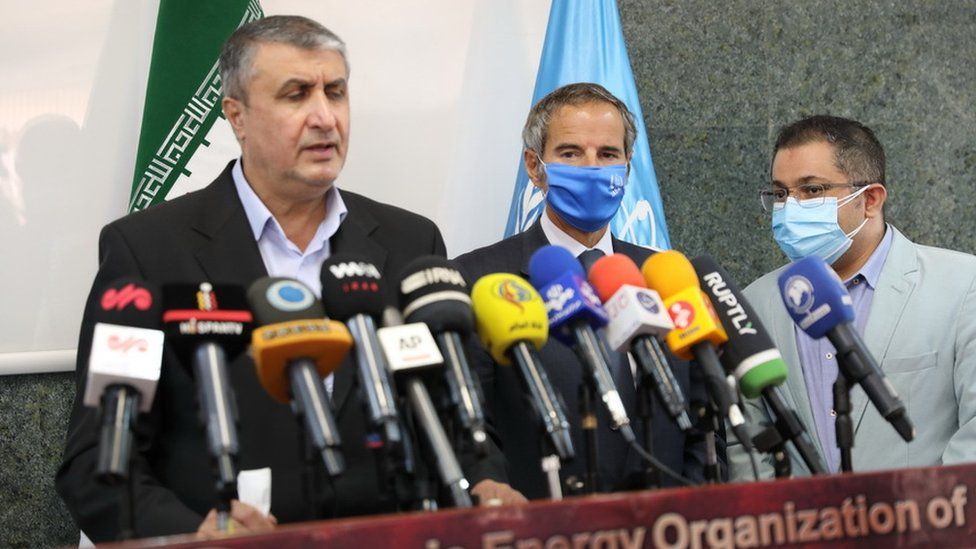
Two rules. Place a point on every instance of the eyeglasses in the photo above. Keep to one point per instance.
(809, 195)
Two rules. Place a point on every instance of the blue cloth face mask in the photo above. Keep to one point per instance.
(586, 197)
(813, 230)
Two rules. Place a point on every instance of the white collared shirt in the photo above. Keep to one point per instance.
(556, 236)
(281, 256)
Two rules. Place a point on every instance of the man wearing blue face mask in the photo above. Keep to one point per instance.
(578, 142)
(915, 305)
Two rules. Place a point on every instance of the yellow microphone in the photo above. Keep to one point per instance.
(513, 325)
(695, 321)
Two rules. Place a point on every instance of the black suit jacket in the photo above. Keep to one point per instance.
(515, 422)
(205, 236)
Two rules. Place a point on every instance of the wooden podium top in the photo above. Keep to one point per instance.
(924, 507)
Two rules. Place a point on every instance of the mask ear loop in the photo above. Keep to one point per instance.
(847, 200)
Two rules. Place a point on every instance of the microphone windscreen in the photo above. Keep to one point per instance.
(815, 297)
(205, 312)
(352, 285)
(550, 262)
(433, 291)
(508, 310)
(129, 301)
(749, 352)
(610, 272)
(278, 299)
(669, 272)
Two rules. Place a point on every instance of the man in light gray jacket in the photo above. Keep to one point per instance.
(915, 305)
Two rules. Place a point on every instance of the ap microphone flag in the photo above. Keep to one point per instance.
(584, 43)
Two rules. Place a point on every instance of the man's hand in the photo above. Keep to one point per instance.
(491, 493)
(244, 519)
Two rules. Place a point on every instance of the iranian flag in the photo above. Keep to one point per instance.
(185, 141)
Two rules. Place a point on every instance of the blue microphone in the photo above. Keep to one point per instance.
(574, 311)
(819, 304)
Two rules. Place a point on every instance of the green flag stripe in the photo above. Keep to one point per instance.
(167, 161)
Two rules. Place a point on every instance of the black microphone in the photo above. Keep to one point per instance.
(208, 326)
(412, 355)
(353, 292)
(751, 357)
(433, 291)
(123, 369)
(296, 343)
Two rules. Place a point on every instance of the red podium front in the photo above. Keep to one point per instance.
(927, 507)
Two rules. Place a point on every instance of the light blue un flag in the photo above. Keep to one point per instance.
(584, 43)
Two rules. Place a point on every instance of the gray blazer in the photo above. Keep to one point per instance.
(922, 332)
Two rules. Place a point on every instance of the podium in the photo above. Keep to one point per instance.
(906, 507)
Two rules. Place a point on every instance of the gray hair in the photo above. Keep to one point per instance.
(536, 128)
(236, 57)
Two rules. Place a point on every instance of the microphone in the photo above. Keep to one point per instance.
(207, 326)
(123, 369)
(412, 354)
(637, 319)
(353, 292)
(819, 304)
(698, 330)
(574, 311)
(295, 348)
(513, 326)
(751, 356)
(434, 292)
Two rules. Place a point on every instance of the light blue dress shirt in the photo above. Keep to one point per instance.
(818, 357)
(281, 256)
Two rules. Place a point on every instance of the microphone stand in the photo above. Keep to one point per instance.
(708, 420)
(119, 407)
(645, 409)
(843, 424)
(769, 441)
(310, 481)
(588, 423)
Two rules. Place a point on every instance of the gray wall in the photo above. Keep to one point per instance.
(717, 79)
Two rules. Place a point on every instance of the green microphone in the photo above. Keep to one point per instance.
(750, 355)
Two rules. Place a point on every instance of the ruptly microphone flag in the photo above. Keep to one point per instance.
(185, 141)
(584, 43)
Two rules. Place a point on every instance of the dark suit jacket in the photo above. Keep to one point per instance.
(515, 421)
(205, 236)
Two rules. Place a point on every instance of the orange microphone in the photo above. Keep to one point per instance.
(293, 350)
(697, 329)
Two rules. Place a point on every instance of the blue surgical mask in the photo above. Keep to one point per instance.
(586, 197)
(804, 231)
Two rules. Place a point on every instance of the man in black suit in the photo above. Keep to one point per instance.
(578, 141)
(273, 211)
